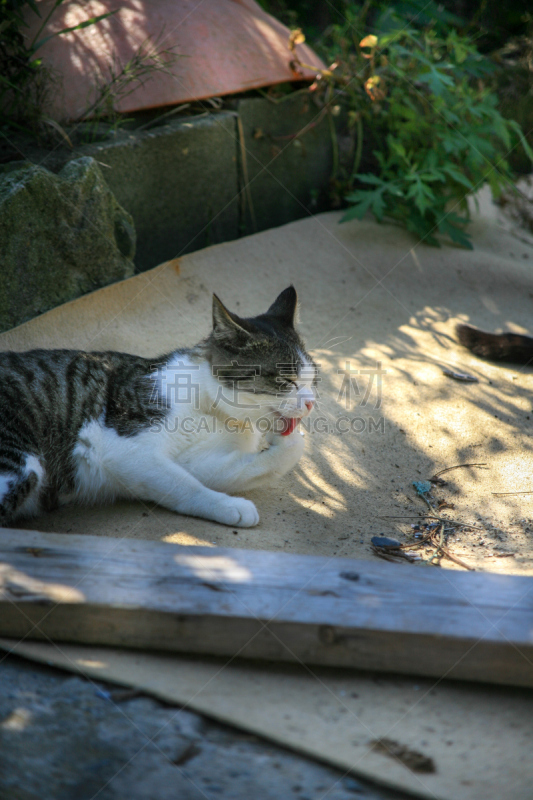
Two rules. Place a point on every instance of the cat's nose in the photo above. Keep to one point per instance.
(309, 404)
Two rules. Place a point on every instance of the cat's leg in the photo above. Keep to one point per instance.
(158, 479)
(20, 490)
(107, 466)
(241, 472)
(171, 486)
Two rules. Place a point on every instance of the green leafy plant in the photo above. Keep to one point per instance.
(25, 83)
(420, 92)
(122, 79)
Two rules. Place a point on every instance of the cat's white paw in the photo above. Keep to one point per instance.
(239, 512)
(289, 447)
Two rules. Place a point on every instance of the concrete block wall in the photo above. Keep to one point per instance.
(202, 180)
(186, 184)
(288, 173)
(179, 183)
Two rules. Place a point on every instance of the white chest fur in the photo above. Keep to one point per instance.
(201, 448)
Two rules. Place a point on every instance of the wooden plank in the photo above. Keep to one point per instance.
(337, 611)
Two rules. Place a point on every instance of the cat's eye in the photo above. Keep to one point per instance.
(287, 383)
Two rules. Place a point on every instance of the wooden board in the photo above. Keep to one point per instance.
(277, 606)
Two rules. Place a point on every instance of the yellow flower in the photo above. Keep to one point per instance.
(371, 42)
(296, 37)
(373, 89)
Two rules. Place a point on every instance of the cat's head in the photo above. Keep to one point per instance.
(261, 363)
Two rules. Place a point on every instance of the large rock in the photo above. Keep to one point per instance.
(60, 237)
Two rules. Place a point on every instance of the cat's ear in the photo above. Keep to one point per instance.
(225, 324)
(284, 306)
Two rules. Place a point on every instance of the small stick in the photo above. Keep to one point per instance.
(457, 560)
(393, 554)
(409, 516)
(157, 120)
(463, 524)
(503, 494)
(438, 553)
(458, 466)
(454, 522)
(443, 520)
(418, 543)
(244, 165)
(440, 545)
(384, 555)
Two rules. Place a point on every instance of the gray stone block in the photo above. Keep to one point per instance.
(178, 182)
(64, 738)
(184, 182)
(60, 236)
(288, 174)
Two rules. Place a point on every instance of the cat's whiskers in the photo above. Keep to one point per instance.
(328, 346)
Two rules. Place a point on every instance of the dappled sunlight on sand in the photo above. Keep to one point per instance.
(180, 537)
(354, 483)
(430, 422)
(332, 482)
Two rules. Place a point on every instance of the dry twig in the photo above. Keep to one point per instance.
(457, 466)
(507, 494)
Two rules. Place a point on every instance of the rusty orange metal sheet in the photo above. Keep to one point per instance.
(226, 46)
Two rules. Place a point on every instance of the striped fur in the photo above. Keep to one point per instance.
(93, 426)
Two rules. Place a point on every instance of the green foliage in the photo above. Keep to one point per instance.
(122, 79)
(20, 70)
(420, 92)
(25, 82)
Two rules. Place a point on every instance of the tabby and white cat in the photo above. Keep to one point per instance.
(185, 430)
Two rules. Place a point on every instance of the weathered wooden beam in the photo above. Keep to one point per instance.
(253, 604)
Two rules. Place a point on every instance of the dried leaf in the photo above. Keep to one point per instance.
(369, 41)
(442, 504)
(373, 89)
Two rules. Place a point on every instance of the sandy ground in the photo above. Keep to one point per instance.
(367, 296)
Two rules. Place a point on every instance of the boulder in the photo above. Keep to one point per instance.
(60, 237)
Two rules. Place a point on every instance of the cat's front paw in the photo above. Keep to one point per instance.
(239, 512)
(289, 447)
